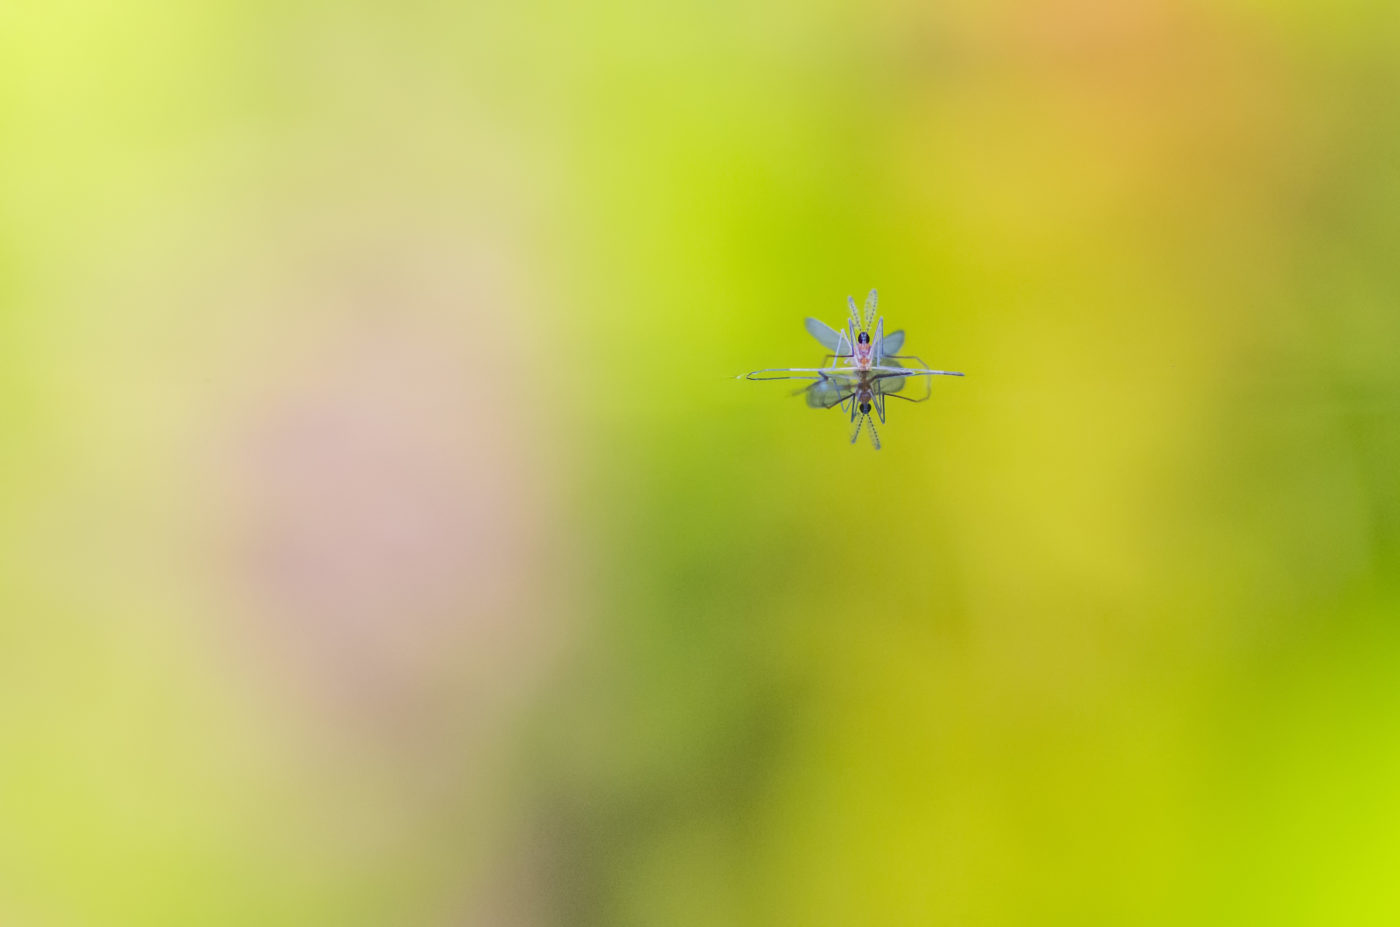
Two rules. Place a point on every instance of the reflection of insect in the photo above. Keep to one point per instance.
(872, 371)
(859, 393)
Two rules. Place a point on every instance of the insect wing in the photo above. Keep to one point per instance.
(891, 343)
(830, 338)
(828, 392)
(890, 382)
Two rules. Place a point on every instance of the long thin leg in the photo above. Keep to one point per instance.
(928, 385)
(840, 400)
(927, 371)
(945, 373)
(816, 373)
(906, 378)
(842, 343)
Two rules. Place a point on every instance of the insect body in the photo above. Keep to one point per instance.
(860, 392)
(863, 344)
(862, 368)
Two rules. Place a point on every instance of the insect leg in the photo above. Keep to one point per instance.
(841, 342)
(841, 401)
(915, 357)
(900, 376)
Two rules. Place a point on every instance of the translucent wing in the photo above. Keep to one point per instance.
(828, 392)
(892, 343)
(890, 384)
(900, 383)
(830, 338)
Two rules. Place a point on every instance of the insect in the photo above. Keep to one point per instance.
(860, 393)
(864, 342)
(872, 370)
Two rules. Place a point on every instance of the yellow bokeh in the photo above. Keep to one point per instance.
(384, 538)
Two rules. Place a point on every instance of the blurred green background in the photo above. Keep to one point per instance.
(384, 540)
